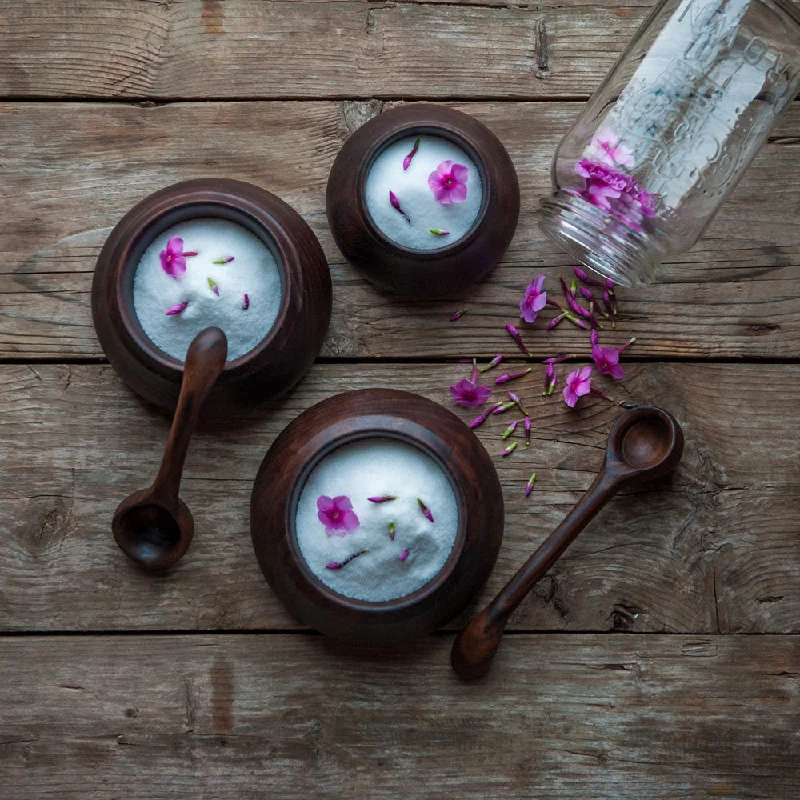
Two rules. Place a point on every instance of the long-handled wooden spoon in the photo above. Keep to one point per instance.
(154, 526)
(644, 443)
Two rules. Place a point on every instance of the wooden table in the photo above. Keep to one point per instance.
(659, 659)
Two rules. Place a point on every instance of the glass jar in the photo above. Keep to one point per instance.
(669, 132)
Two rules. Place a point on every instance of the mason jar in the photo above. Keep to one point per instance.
(669, 132)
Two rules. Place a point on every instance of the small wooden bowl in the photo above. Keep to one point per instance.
(423, 273)
(371, 413)
(281, 358)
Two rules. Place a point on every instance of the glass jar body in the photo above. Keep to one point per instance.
(669, 132)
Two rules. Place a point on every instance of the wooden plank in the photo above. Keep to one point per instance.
(714, 549)
(72, 170)
(308, 49)
(298, 717)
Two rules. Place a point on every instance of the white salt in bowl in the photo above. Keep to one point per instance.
(378, 597)
(395, 249)
(288, 339)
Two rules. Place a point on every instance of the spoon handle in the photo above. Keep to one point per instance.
(475, 646)
(205, 361)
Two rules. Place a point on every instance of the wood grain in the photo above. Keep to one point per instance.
(295, 717)
(250, 49)
(713, 550)
(72, 170)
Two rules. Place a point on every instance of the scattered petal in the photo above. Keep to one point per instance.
(529, 484)
(510, 429)
(517, 402)
(340, 564)
(384, 498)
(245, 301)
(425, 510)
(213, 286)
(503, 407)
(493, 363)
(527, 431)
(458, 314)
(410, 156)
(586, 277)
(391, 530)
(510, 449)
(511, 376)
(225, 260)
(177, 309)
(404, 555)
(482, 418)
(439, 232)
(515, 335)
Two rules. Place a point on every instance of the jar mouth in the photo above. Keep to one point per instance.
(598, 240)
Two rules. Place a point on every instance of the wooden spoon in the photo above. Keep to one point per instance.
(154, 526)
(644, 443)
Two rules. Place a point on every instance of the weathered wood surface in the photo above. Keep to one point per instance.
(251, 49)
(296, 717)
(715, 549)
(70, 171)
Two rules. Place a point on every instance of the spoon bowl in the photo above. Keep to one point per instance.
(646, 441)
(154, 527)
(152, 534)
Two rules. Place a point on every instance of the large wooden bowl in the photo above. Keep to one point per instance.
(423, 273)
(281, 358)
(370, 413)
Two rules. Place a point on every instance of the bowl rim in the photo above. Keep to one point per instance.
(371, 413)
(444, 130)
(327, 448)
(148, 222)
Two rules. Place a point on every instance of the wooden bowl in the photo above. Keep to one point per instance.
(423, 273)
(280, 359)
(371, 413)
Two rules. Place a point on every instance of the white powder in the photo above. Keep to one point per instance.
(377, 467)
(253, 271)
(416, 198)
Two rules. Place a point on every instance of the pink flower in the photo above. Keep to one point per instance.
(615, 192)
(578, 384)
(173, 259)
(448, 183)
(178, 309)
(606, 149)
(607, 358)
(337, 515)
(534, 300)
(340, 564)
(468, 394)
(603, 183)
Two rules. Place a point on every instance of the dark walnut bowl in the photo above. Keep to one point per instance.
(423, 273)
(280, 359)
(382, 413)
